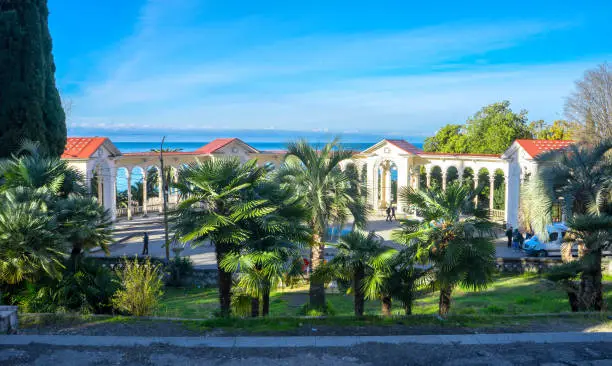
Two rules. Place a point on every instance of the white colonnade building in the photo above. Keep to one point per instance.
(386, 166)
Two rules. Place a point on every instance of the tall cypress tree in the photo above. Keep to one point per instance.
(30, 105)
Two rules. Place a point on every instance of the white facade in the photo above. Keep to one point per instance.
(380, 162)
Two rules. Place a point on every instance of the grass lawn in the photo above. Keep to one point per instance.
(509, 295)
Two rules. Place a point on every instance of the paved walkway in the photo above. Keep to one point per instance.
(203, 256)
(325, 341)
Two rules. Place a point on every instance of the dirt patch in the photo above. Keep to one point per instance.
(305, 327)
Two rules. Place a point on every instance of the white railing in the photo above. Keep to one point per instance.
(497, 215)
(122, 212)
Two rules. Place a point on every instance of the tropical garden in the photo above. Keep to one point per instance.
(263, 222)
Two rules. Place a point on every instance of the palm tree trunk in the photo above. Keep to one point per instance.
(254, 307)
(358, 291)
(317, 287)
(590, 297)
(386, 305)
(225, 282)
(445, 300)
(408, 307)
(266, 302)
(75, 253)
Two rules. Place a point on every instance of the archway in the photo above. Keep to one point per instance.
(387, 183)
(452, 175)
(483, 184)
(121, 197)
(137, 181)
(154, 197)
(422, 178)
(436, 177)
(468, 177)
(499, 194)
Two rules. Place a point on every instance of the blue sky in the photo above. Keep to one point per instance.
(397, 68)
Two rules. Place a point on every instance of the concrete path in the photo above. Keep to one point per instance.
(203, 256)
(329, 341)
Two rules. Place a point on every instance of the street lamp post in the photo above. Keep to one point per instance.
(165, 198)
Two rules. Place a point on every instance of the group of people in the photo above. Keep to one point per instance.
(390, 213)
(516, 238)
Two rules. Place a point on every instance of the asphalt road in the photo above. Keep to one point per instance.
(365, 354)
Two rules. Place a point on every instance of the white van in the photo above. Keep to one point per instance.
(551, 247)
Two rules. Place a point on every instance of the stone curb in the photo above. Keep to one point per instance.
(292, 342)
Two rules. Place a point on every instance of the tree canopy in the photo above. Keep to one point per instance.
(31, 107)
(493, 129)
(490, 131)
(590, 104)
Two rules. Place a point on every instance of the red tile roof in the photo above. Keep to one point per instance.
(536, 147)
(215, 145)
(462, 154)
(406, 146)
(82, 147)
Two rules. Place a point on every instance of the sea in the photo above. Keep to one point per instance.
(140, 146)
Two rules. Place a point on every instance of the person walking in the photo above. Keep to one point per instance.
(509, 236)
(145, 242)
(521, 240)
(516, 239)
(388, 211)
(392, 214)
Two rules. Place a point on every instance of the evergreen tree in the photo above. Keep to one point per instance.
(30, 105)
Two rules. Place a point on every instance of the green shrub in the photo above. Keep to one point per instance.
(177, 270)
(309, 311)
(89, 290)
(241, 303)
(494, 309)
(140, 287)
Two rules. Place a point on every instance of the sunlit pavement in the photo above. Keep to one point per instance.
(203, 256)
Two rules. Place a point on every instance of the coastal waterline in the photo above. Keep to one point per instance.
(127, 147)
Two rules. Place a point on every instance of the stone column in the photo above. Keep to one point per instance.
(444, 173)
(373, 184)
(113, 193)
(512, 196)
(491, 191)
(129, 194)
(161, 190)
(144, 192)
(174, 180)
(428, 174)
(475, 186)
(99, 178)
(388, 184)
(460, 175)
(404, 176)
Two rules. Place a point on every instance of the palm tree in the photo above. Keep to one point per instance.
(30, 244)
(396, 277)
(352, 262)
(582, 176)
(595, 233)
(449, 238)
(358, 206)
(84, 224)
(317, 177)
(272, 252)
(217, 206)
(29, 168)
